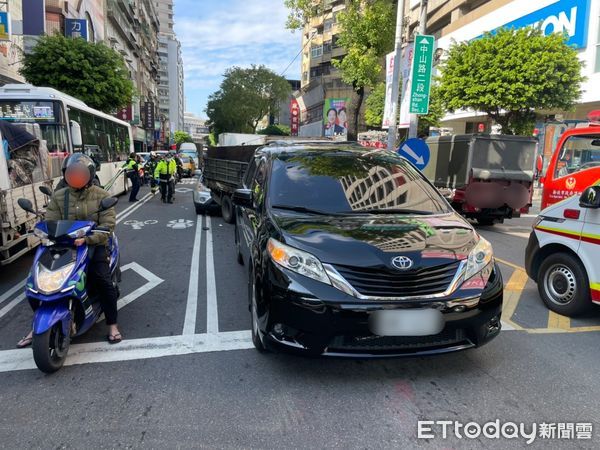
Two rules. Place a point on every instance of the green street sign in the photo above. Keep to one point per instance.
(421, 74)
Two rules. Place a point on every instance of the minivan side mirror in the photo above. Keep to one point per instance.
(107, 203)
(76, 138)
(590, 198)
(243, 198)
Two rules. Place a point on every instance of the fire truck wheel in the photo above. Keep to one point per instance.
(563, 285)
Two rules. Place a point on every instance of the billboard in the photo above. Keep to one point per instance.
(4, 26)
(389, 81)
(34, 17)
(335, 117)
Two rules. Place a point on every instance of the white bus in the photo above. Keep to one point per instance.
(69, 125)
(66, 125)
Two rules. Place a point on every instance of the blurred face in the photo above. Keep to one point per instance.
(77, 176)
(342, 116)
(331, 116)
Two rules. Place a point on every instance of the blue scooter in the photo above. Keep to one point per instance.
(56, 287)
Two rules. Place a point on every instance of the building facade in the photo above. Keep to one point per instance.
(320, 80)
(195, 127)
(171, 94)
(463, 20)
(10, 50)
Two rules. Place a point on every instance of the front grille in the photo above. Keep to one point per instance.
(382, 344)
(384, 282)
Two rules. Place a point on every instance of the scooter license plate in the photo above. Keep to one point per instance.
(406, 322)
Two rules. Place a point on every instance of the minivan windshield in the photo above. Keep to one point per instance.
(350, 182)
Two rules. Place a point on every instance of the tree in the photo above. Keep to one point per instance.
(510, 73)
(245, 97)
(181, 136)
(367, 34)
(91, 72)
(276, 130)
(376, 104)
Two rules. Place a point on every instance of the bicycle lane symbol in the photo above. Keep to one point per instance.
(138, 224)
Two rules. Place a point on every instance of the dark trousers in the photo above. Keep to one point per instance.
(166, 189)
(99, 280)
(135, 185)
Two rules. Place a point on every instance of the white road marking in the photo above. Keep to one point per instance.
(507, 327)
(9, 306)
(134, 349)
(134, 205)
(212, 311)
(189, 323)
(180, 224)
(139, 224)
(12, 290)
(183, 190)
(139, 204)
(152, 282)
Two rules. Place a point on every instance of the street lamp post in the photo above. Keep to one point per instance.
(393, 127)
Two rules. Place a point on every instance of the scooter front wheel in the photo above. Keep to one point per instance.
(50, 348)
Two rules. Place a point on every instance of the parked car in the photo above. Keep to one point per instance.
(203, 201)
(563, 253)
(353, 252)
(188, 166)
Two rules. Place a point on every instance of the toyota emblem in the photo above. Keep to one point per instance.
(402, 262)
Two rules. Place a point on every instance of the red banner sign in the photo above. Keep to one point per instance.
(125, 114)
(294, 117)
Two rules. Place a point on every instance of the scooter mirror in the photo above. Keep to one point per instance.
(26, 205)
(108, 203)
(46, 191)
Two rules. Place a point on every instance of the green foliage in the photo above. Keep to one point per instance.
(213, 139)
(244, 98)
(375, 105)
(509, 74)
(367, 33)
(301, 11)
(276, 130)
(181, 136)
(91, 72)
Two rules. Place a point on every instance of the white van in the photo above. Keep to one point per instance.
(563, 253)
(190, 149)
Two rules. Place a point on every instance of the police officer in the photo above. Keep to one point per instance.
(131, 170)
(165, 174)
(150, 168)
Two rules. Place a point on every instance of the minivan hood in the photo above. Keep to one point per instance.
(374, 240)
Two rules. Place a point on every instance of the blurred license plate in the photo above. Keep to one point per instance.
(406, 322)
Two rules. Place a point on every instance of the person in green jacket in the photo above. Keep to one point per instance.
(165, 174)
(131, 170)
(81, 201)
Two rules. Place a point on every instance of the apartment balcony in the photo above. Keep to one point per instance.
(127, 7)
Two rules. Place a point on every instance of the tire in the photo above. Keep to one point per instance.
(485, 221)
(199, 209)
(563, 285)
(227, 209)
(50, 349)
(256, 339)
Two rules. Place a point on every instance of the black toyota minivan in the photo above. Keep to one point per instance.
(352, 252)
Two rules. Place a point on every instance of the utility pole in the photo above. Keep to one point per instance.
(421, 29)
(393, 128)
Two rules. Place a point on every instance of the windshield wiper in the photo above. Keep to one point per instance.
(415, 212)
(302, 209)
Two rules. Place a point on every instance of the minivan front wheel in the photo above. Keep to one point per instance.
(256, 339)
(563, 285)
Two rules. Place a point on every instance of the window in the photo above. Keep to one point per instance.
(578, 153)
(327, 24)
(315, 52)
(327, 47)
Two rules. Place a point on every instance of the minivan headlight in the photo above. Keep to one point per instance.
(479, 258)
(49, 281)
(297, 261)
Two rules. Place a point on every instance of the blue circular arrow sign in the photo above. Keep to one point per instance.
(416, 151)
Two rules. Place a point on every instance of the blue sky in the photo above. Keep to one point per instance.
(217, 34)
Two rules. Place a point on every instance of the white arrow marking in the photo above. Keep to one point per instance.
(180, 224)
(418, 159)
(424, 41)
